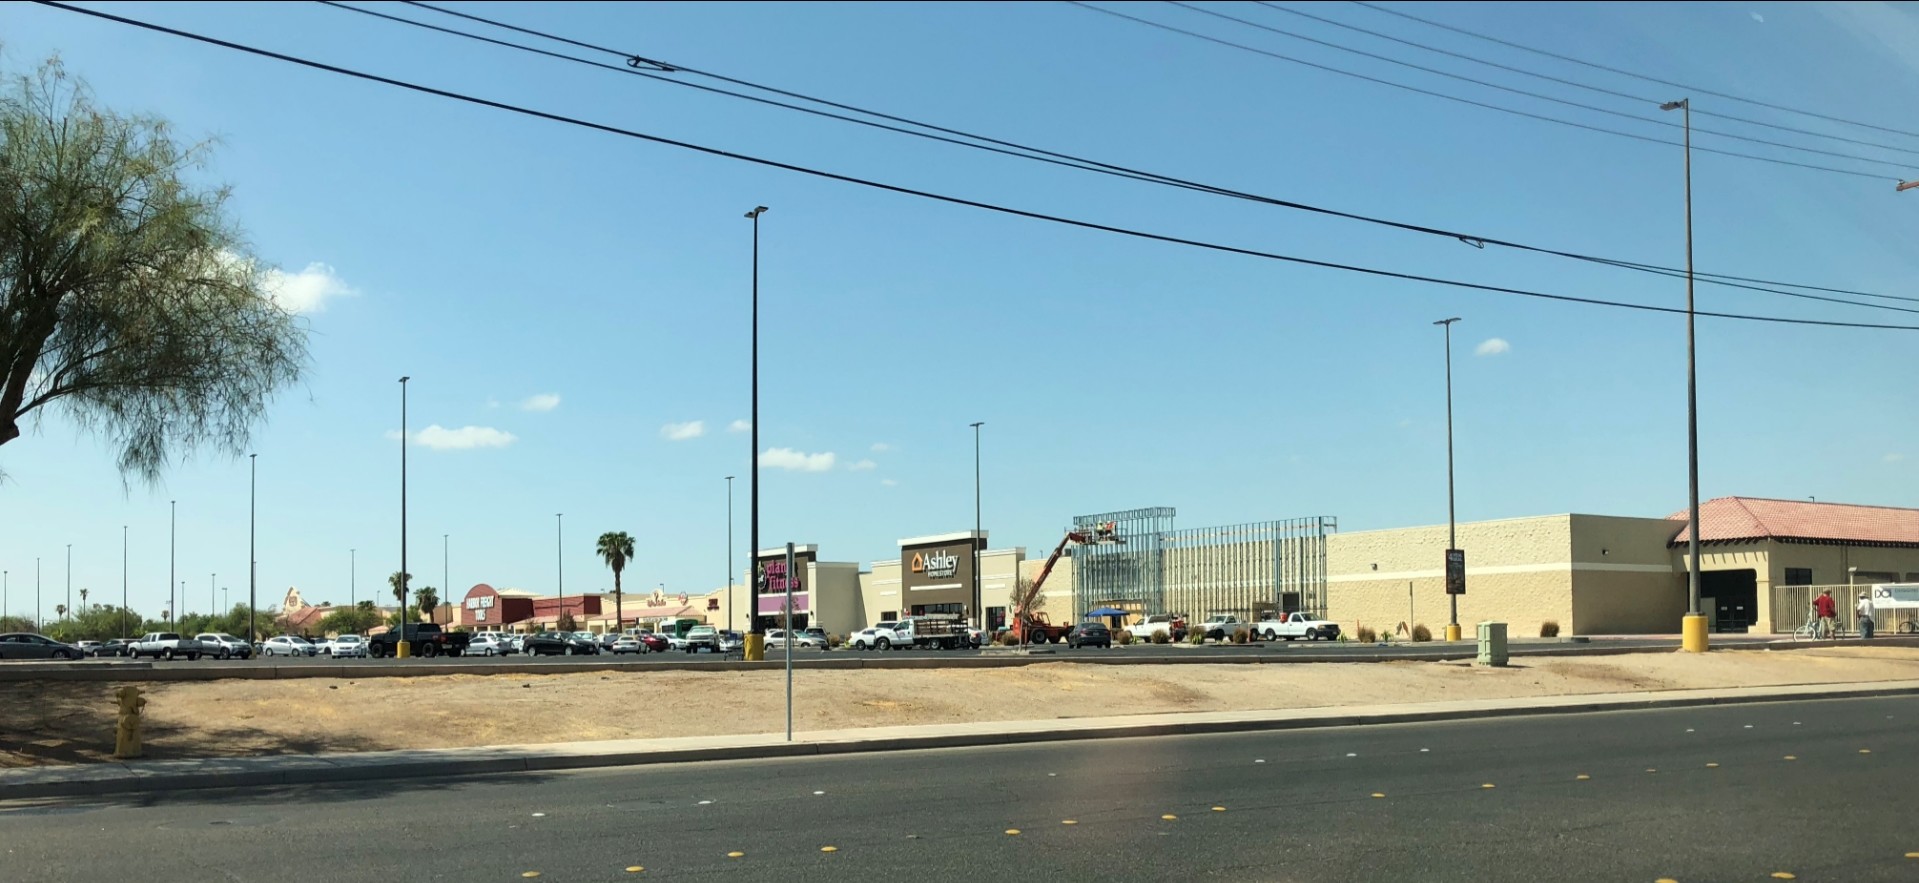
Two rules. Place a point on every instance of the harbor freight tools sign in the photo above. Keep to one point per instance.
(1455, 571)
(479, 606)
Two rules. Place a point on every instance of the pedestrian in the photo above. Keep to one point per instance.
(1828, 611)
(1865, 615)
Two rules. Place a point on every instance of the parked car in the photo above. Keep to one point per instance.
(674, 641)
(423, 639)
(26, 645)
(816, 632)
(221, 645)
(1090, 634)
(115, 647)
(655, 643)
(1222, 626)
(288, 645)
(606, 640)
(879, 636)
(514, 644)
(975, 637)
(558, 644)
(345, 646)
(702, 637)
(1296, 625)
(486, 644)
(87, 648)
(164, 645)
(625, 644)
(732, 642)
(1172, 625)
(777, 638)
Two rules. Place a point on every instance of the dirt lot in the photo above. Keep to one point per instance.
(73, 723)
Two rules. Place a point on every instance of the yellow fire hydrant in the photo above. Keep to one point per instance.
(126, 734)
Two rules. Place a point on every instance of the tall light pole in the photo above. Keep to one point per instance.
(1694, 626)
(401, 649)
(979, 619)
(36, 593)
(729, 553)
(353, 578)
(253, 555)
(212, 601)
(559, 564)
(69, 579)
(173, 551)
(756, 640)
(446, 580)
(1452, 527)
(123, 581)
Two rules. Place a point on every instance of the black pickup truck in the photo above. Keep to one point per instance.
(426, 639)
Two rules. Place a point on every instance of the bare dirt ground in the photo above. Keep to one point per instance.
(73, 722)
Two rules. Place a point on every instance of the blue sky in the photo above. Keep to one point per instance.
(563, 299)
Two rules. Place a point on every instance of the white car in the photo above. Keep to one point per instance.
(1296, 625)
(345, 646)
(288, 645)
(627, 644)
(881, 636)
(485, 644)
(777, 638)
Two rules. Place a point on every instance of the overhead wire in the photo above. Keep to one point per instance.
(1551, 79)
(1470, 101)
(1638, 76)
(939, 197)
(647, 65)
(1576, 84)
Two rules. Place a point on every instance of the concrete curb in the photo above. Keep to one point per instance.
(144, 672)
(184, 775)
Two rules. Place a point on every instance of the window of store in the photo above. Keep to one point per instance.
(889, 616)
(995, 617)
(1798, 576)
(937, 609)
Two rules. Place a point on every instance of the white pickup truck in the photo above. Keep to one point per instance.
(880, 636)
(1155, 623)
(1222, 626)
(164, 645)
(1296, 625)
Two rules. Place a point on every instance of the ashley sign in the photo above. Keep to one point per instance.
(937, 564)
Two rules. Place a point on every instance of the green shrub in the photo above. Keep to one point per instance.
(1365, 635)
(1421, 633)
(1123, 637)
(1162, 637)
(1549, 629)
(1241, 637)
(1197, 637)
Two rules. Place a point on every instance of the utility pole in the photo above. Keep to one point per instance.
(755, 644)
(173, 550)
(1693, 628)
(402, 649)
(729, 553)
(1452, 526)
(69, 579)
(123, 582)
(979, 616)
(253, 554)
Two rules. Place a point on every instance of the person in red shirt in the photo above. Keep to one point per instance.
(1828, 611)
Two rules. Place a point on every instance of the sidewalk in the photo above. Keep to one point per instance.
(179, 775)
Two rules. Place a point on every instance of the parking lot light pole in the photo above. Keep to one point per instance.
(1693, 627)
(1452, 528)
(402, 649)
(173, 551)
(979, 616)
(123, 582)
(755, 644)
(253, 560)
(69, 579)
(729, 553)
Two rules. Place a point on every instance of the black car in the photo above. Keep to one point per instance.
(27, 645)
(1090, 634)
(115, 647)
(558, 644)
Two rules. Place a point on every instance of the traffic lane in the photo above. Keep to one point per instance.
(1712, 793)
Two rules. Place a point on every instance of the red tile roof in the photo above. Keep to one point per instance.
(1732, 519)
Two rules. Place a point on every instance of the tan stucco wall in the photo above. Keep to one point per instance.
(1518, 571)
(1058, 590)
(1626, 579)
(1828, 563)
(880, 592)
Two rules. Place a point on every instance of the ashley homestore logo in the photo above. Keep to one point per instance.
(937, 564)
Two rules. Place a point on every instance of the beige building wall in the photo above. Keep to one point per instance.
(835, 590)
(1626, 578)
(881, 595)
(1518, 571)
(1829, 563)
(1058, 590)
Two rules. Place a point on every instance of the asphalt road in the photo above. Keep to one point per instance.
(1818, 790)
(1300, 648)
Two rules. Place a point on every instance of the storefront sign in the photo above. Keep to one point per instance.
(1455, 571)
(481, 603)
(937, 564)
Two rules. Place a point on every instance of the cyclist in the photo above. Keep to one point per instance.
(1828, 611)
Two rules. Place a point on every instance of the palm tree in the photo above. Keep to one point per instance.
(616, 548)
(83, 598)
(60, 610)
(399, 583)
(428, 598)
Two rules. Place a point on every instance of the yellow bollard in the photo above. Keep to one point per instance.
(1693, 633)
(755, 650)
(1452, 632)
(402, 650)
(126, 733)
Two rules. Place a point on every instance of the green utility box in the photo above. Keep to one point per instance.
(1492, 643)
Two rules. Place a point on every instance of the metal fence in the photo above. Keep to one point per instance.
(1792, 607)
(1244, 569)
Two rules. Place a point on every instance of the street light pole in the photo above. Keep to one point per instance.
(36, 594)
(69, 579)
(729, 553)
(755, 645)
(559, 564)
(1452, 525)
(979, 616)
(353, 578)
(446, 570)
(1693, 628)
(401, 648)
(123, 581)
(253, 555)
(173, 551)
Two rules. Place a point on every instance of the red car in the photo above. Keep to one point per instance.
(654, 643)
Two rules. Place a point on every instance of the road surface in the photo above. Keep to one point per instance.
(1818, 790)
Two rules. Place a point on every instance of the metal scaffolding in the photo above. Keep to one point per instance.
(1248, 570)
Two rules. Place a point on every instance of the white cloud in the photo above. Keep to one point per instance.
(862, 466)
(306, 291)
(683, 431)
(1493, 346)
(492, 402)
(797, 461)
(1757, 17)
(545, 401)
(881, 447)
(739, 426)
(440, 438)
(887, 482)
(1893, 457)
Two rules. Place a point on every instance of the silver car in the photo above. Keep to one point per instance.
(25, 645)
(288, 645)
(346, 646)
(484, 644)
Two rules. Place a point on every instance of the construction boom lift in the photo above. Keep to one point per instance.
(1035, 628)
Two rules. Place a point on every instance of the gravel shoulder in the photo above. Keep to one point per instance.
(57, 723)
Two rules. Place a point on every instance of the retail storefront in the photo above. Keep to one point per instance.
(935, 575)
(824, 594)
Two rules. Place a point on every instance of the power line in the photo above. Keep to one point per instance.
(1576, 84)
(1039, 154)
(1626, 73)
(1463, 100)
(938, 197)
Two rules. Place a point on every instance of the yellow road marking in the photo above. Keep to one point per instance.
(1377, 794)
(829, 849)
(1784, 875)
(1219, 809)
(1169, 817)
(634, 869)
(530, 874)
(1068, 821)
(1712, 766)
(1487, 785)
(1665, 880)
(1581, 777)
(1792, 757)
(1865, 751)
(1014, 832)
(735, 854)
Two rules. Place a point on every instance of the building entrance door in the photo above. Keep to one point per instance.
(1730, 597)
